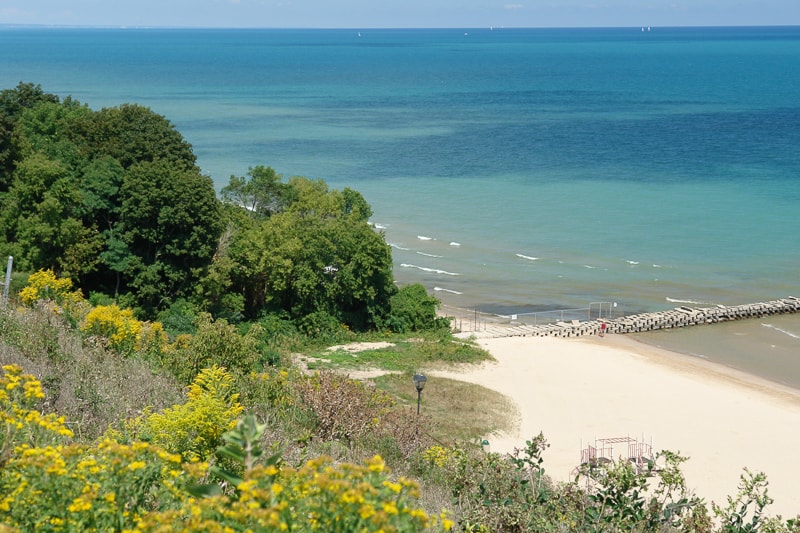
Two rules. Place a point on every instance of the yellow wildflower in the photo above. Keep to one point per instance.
(78, 505)
(136, 465)
(376, 464)
(394, 487)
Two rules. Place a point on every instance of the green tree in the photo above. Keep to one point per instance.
(42, 214)
(12, 104)
(412, 309)
(133, 134)
(111, 198)
(319, 255)
(170, 223)
(261, 192)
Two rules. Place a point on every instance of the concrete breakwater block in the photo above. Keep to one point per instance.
(675, 318)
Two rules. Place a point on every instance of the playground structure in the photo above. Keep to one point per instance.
(607, 450)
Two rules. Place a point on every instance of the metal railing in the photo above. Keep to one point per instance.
(475, 320)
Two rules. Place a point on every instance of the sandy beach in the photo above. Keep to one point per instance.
(577, 390)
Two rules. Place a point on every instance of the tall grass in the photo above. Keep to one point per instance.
(83, 381)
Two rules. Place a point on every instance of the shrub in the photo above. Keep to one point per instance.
(342, 408)
(320, 496)
(271, 390)
(107, 487)
(738, 515)
(323, 327)
(118, 326)
(622, 496)
(45, 286)
(215, 343)
(194, 429)
(20, 423)
(412, 309)
(180, 318)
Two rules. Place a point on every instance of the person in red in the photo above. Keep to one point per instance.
(603, 328)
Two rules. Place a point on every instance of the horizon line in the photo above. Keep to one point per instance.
(363, 28)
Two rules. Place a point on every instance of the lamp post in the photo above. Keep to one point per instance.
(419, 383)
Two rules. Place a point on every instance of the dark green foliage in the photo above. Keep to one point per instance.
(261, 192)
(112, 199)
(170, 224)
(322, 327)
(12, 103)
(134, 134)
(276, 337)
(412, 309)
(180, 318)
(318, 256)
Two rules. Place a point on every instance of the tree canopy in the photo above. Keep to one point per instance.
(317, 254)
(110, 198)
(114, 200)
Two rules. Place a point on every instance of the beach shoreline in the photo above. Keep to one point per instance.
(581, 389)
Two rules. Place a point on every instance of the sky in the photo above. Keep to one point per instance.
(400, 13)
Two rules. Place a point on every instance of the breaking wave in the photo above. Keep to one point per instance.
(433, 270)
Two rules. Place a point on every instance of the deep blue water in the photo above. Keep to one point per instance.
(513, 170)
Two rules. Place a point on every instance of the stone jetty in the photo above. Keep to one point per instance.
(675, 318)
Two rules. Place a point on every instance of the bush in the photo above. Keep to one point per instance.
(320, 496)
(343, 409)
(107, 487)
(194, 429)
(323, 327)
(277, 337)
(21, 424)
(180, 318)
(45, 287)
(215, 343)
(412, 309)
(118, 326)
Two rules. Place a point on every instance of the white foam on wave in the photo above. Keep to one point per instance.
(441, 289)
(779, 330)
(589, 267)
(379, 226)
(398, 247)
(680, 301)
(632, 262)
(424, 238)
(426, 269)
(429, 255)
(528, 257)
(656, 266)
(454, 243)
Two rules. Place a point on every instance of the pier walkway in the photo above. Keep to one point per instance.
(675, 318)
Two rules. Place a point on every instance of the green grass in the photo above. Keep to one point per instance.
(453, 410)
(405, 354)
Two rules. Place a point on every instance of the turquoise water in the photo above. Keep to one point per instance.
(512, 170)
